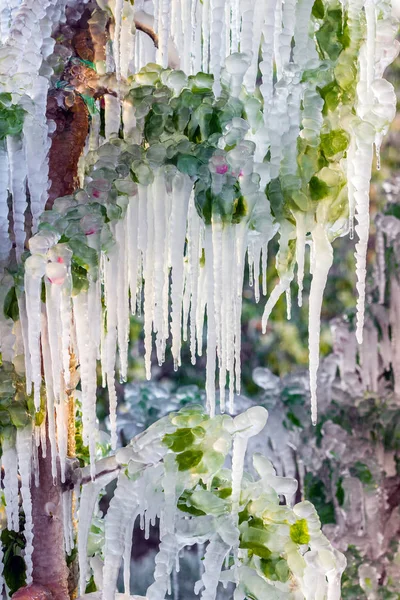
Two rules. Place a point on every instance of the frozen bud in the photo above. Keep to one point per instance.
(56, 272)
(42, 241)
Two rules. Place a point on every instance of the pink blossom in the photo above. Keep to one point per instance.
(221, 169)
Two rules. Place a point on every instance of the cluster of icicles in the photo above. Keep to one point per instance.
(149, 487)
(161, 233)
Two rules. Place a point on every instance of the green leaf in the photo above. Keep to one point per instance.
(179, 440)
(299, 532)
(189, 459)
(318, 9)
(19, 415)
(318, 188)
(334, 142)
(10, 308)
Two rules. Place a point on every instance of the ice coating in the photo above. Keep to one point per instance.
(162, 463)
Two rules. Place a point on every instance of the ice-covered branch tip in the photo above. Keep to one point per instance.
(174, 471)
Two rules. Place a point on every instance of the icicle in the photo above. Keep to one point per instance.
(62, 431)
(117, 38)
(89, 496)
(5, 243)
(277, 36)
(250, 76)
(53, 301)
(127, 41)
(95, 129)
(202, 291)
(181, 188)
(216, 27)
(164, 32)
(9, 461)
(34, 270)
(121, 510)
(301, 230)
(380, 259)
(87, 352)
(213, 562)
(185, 11)
(286, 35)
(235, 25)
(37, 145)
(24, 452)
(122, 298)
(267, 53)
(240, 249)
(67, 520)
(246, 425)
(146, 195)
(50, 399)
(128, 550)
(17, 189)
(133, 250)
(322, 262)
(211, 324)
(25, 338)
(110, 343)
(206, 35)
(161, 268)
(288, 304)
(194, 224)
(303, 51)
(112, 115)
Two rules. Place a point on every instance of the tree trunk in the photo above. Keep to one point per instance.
(49, 562)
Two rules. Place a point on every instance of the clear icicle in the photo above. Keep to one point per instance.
(146, 193)
(5, 242)
(112, 115)
(122, 509)
(89, 496)
(181, 188)
(34, 270)
(17, 167)
(87, 352)
(53, 301)
(246, 425)
(9, 462)
(213, 562)
(133, 250)
(62, 431)
(117, 37)
(67, 520)
(205, 24)
(267, 54)
(216, 27)
(301, 232)
(161, 269)
(194, 224)
(240, 250)
(122, 298)
(110, 343)
(322, 262)
(211, 324)
(164, 31)
(24, 452)
(50, 398)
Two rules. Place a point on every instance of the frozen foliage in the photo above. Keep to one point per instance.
(175, 471)
(183, 175)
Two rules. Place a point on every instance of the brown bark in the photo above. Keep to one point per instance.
(69, 112)
(49, 564)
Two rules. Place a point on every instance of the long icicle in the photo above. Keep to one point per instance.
(322, 262)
